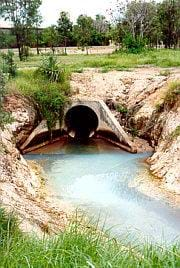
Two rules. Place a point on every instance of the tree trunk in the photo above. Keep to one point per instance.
(37, 41)
(19, 47)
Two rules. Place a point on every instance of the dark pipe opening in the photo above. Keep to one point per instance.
(81, 122)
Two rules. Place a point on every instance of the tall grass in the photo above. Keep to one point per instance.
(78, 246)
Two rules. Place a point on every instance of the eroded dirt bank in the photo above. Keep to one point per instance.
(141, 92)
(22, 186)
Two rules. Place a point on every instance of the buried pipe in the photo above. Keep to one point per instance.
(81, 122)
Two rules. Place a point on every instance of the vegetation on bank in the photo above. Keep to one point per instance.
(117, 61)
(48, 87)
(78, 246)
(170, 97)
(5, 117)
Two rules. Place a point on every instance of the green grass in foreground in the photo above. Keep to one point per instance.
(116, 61)
(78, 246)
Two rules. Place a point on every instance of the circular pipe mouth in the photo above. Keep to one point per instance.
(81, 122)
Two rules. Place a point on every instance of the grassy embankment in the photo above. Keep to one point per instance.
(117, 61)
(78, 246)
(48, 87)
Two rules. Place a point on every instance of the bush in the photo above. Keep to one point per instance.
(49, 69)
(8, 65)
(49, 97)
(5, 117)
(134, 45)
(51, 103)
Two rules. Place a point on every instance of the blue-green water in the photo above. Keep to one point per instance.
(95, 178)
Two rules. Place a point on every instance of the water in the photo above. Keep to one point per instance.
(95, 178)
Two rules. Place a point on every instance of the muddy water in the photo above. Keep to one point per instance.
(95, 177)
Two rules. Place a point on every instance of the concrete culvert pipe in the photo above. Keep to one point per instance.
(81, 122)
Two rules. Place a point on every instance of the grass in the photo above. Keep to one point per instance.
(165, 73)
(116, 61)
(170, 96)
(173, 91)
(79, 246)
(176, 132)
(28, 82)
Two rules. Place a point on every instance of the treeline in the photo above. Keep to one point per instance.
(135, 25)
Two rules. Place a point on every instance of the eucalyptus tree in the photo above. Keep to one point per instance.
(139, 19)
(169, 18)
(50, 37)
(83, 31)
(24, 15)
(64, 28)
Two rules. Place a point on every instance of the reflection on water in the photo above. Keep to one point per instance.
(95, 177)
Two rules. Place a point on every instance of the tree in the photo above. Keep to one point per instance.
(138, 19)
(24, 16)
(7, 39)
(64, 29)
(169, 17)
(50, 37)
(101, 29)
(83, 31)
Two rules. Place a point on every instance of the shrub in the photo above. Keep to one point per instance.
(49, 68)
(5, 117)
(49, 97)
(8, 65)
(51, 103)
(133, 45)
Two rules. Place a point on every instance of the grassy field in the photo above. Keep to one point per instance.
(78, 246)
(115, 61)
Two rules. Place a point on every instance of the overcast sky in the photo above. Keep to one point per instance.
(50, 9)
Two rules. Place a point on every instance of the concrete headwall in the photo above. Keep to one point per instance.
(106, 120)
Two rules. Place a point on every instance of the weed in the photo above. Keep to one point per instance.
(134, 131)
(165, 73)
(176, 132)
(173, 92)
(121, 109)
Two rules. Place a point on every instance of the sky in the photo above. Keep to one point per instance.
(50, 9)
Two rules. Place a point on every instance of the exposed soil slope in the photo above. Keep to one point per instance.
(141, 91)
